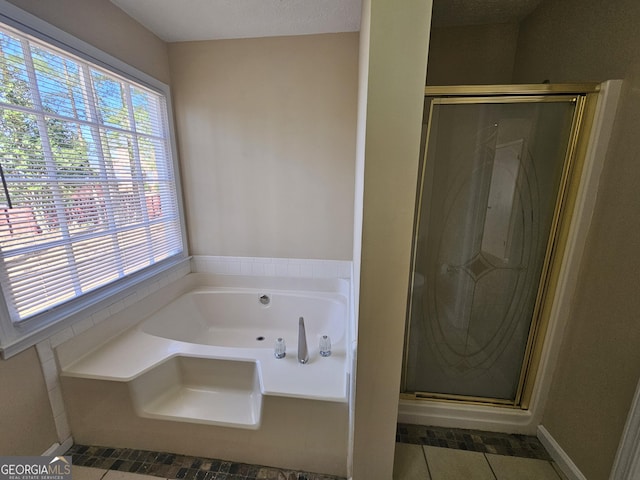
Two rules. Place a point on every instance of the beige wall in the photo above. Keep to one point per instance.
(472, 55)
(266, 132)
(599, 366)
(26, 421)
(103, 25)
(395, 44)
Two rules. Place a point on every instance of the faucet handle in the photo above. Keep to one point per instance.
(325, 346)
(280, 348)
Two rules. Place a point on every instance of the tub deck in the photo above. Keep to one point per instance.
(134, 353)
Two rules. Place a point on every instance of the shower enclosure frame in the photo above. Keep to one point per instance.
(584, 96)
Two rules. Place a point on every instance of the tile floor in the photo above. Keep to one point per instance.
(435, 453)
(474, 440)
(425, 462)
(422, 453)
(90, 473)
(109, 463)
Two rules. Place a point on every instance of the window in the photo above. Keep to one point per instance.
(88, 193)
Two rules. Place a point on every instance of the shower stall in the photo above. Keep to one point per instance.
(496, 182)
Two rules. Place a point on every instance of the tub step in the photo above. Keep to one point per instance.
(200, 390)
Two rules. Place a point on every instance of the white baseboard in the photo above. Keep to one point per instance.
(57, 449)
(559, 456)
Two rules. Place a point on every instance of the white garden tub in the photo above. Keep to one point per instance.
(200, 349)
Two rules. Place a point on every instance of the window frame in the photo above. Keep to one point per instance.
(15, 337)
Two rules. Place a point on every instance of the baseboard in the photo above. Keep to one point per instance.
(57, 449)
(559, 456)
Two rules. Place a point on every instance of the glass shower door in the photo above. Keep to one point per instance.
(493, 174)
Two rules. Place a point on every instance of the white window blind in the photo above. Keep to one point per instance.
(88, 190)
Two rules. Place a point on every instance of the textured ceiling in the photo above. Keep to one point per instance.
(185, 20)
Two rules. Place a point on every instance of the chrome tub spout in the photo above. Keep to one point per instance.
(303, 352)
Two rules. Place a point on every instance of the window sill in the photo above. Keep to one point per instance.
(112, 299)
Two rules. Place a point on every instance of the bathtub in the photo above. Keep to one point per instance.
(202, 350)
(249, 318)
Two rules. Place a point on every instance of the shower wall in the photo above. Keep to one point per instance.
(599, 364)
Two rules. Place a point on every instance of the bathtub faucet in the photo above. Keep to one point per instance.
(303, 353)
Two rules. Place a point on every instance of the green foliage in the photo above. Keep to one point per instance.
(21, 137)
(50, 161)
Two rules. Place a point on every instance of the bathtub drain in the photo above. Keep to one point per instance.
(260, 338)
(264, 300)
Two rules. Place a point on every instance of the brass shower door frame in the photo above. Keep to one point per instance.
(585, 97)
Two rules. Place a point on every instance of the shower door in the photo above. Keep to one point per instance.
(493, 177)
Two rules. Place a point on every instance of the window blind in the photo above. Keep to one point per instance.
(88, 189)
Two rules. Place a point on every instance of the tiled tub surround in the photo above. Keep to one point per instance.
(125, 391)
(271, 267)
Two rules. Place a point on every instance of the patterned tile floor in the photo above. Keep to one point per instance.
(473, 440)
(171, 466)
(181, 467)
